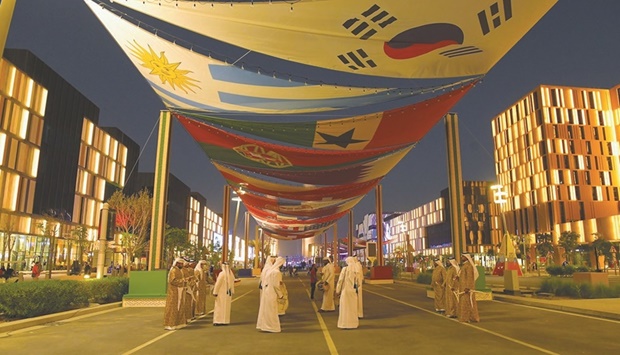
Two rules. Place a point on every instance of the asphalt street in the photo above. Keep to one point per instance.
(399, 319)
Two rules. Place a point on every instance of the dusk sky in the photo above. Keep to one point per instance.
(575, 44)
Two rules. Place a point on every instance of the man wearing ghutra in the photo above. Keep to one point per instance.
(347, 290)
(174, 317)
(438, 281)
(328, 286)
(452, 288)
(268, 320)
(200, 273)
(223, 290)
(468, 307)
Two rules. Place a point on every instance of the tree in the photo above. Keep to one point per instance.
(80, 236)
(176, 241)
(6, 228)
(569, 241)
(600, 246)
(133, 219)
(544, 245)
(49, 229)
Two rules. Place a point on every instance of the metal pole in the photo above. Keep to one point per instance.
(233, 241)
(350, 243)
(225, 222)
(379, 218)
(246, 235)
(160, 190)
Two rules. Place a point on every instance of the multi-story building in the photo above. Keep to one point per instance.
(557, 155)
(426, 229)
(57, 167)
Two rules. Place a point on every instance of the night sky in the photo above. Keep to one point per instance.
(575, 44)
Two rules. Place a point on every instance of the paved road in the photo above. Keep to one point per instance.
(398, 320)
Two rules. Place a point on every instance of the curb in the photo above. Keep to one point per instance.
(55, 317)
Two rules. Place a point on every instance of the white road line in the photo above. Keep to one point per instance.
(561, 312)
(170, 332)
(328, 339)
(531, 346)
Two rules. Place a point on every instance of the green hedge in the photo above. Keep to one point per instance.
(568, 288)
(425, 277)
(37, 298)
(567, 270)
(107, 290)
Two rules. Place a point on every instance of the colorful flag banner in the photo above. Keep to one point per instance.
(391, 38)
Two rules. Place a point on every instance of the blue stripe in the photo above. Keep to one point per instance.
(296, 104)
(231, 74)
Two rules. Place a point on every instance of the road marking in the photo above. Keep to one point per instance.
(561, 312)
(531, 346)
(328, 339)
(169, 332)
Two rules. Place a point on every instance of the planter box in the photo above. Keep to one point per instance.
(591, 278)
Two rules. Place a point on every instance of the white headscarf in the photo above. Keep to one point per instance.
(455, 265)
(279, 261)
(476, 274)
(351, 273)
(199, 265)
(438, 262)
(177, 260)
(228, 281)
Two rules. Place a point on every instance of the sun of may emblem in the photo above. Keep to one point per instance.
(168, 73)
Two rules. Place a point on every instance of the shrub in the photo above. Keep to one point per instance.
(425, 277)
(107, 290)
(568, 288)
(567, 270)
(32, 299)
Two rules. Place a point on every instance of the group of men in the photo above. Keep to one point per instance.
(187, 294)
(348, 290)
(454, 289)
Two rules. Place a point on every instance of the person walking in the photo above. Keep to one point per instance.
(313, 280)
(173, 310)
(268, 320)
(452, 288)
(438, 282)
(328, 286)
(223, 291)
(468, 307)
(36, 271)
(346, 289)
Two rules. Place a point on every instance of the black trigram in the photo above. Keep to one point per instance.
(494, 17)
(367, 26)
(467, 50)
(357, 59)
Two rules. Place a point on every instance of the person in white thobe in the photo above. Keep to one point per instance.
(347, 290)
(328, 286)
(223, 290)
(360, 282)
(263, 274)
(268, 320)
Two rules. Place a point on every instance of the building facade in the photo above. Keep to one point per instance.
(57, 167)
(426, 230)
(557, 156)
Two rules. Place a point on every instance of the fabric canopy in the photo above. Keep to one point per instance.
(307, 162)
(391, 38)
(186, 79)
